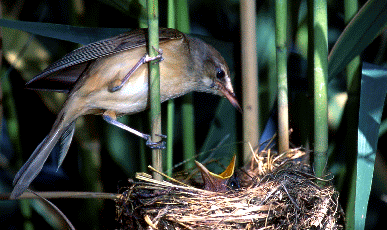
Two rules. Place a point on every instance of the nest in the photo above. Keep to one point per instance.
(277, 192)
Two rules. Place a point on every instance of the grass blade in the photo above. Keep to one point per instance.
(360, 32)
(373, 93)
(76, 34)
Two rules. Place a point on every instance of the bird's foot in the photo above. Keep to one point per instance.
(155, 145)
(158, 58)
(118, 84)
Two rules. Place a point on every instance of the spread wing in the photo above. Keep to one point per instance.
(62, 74)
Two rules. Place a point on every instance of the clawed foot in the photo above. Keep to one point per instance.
(155, 145)
(157, 58)
(118, 84)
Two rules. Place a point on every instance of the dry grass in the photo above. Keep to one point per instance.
(277, 192)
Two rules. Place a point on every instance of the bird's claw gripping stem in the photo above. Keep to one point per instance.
(117, 85)
(155, 145)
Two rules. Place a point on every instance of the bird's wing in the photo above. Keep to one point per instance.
(62, 74)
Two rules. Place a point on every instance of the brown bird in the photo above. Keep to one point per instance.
(108, 78)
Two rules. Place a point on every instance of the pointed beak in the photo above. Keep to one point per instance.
(217, 182)
(228, 92)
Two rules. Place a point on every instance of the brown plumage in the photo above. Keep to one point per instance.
(91, 74)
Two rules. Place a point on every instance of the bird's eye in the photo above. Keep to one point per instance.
(220, 74)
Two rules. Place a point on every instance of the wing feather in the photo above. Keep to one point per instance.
(62, 74)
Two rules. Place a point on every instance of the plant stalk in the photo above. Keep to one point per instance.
(171, 103)
(353, 74)
(281, 54)
(249, 61)
(154, 84)
(318, 61)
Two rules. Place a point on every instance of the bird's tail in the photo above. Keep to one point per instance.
(63, 126)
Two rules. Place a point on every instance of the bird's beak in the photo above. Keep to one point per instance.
(217, 182)
(228, 92)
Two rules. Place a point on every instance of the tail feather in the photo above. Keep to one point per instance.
(65, 141)
(35, 163)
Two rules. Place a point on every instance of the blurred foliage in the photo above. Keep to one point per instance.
(115, 153)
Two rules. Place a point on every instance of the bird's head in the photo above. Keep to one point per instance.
(214, 75)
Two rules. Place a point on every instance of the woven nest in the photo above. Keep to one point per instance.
(277, 192)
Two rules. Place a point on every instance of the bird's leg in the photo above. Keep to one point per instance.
(110, 117)
(117, 85)
(159, 56)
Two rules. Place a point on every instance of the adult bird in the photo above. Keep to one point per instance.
(109, 77)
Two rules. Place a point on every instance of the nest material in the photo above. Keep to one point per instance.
(278, 192)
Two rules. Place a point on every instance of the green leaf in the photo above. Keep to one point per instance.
(360, 32)
(373, 93)
(81, 35)
(221, 134)
(122, 146)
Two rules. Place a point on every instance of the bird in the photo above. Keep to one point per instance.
(226, 181)
(109, 78)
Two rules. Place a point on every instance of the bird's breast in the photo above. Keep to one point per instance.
(94, 85)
